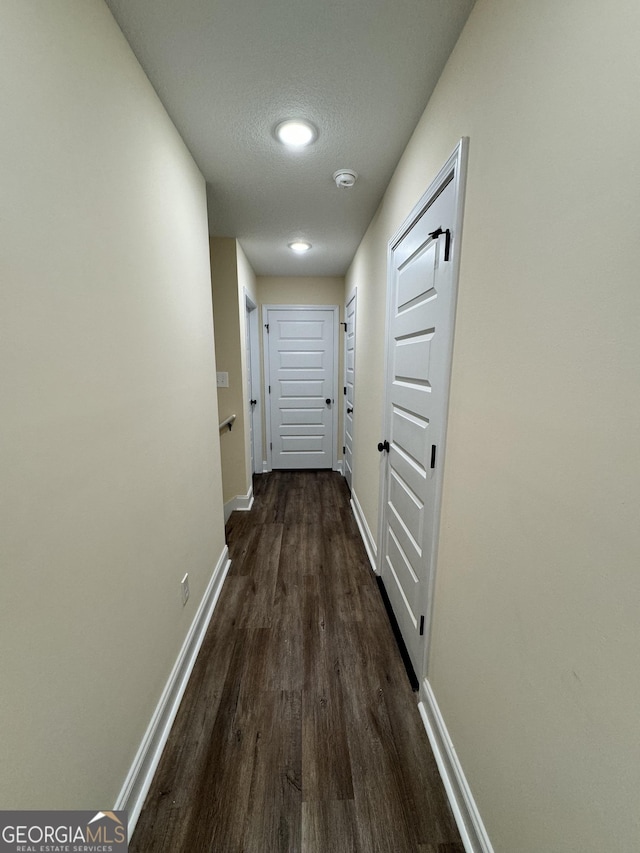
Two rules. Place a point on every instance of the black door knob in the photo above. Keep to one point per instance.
(253, 402)
(328, 401)
(349, 409)
(383, 445)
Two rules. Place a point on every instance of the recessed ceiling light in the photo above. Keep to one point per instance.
(296, 133)
(300, 246)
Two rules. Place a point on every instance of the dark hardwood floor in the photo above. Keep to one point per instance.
(298, 730)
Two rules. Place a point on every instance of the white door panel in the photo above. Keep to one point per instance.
(416, 278)
(408, 506)
(301, 417)
(412, 357)
(299, 444)
(307, 391)
(408, 471)
(300, 348)
(410, 435)
(404, 576)
(295, 360)
(302, 330)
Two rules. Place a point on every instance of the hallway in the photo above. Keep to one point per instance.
(298, 730)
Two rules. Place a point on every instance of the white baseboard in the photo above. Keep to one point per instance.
(243, 503)
(470, 825)
(370, 546)
(140, 775)
(265, 467)
(339, 466)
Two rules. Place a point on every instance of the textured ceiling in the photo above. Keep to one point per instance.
(228, 71)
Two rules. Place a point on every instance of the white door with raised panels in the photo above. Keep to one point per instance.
(301, 384)
(422, 299)
(349, 384)
(254, 402)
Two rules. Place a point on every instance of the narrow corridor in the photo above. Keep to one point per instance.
(298, 730)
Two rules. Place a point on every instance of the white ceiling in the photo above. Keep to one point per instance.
(228, 71)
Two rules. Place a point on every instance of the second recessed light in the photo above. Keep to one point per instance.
(296, 133)
(300, 247)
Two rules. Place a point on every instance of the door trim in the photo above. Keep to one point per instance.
(267, 372)
(454, 170)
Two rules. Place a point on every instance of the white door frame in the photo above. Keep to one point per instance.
(267, 372)
(254, 366)
(455, 169)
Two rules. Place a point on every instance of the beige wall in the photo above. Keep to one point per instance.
(109, 458)
(301, 290)
(247, 287)
(228, 317)
(232, 280)
(536, 635)
(307, 290)
(368, 274)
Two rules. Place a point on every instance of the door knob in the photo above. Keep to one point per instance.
(328, 401)
(383, 445)
(349, 409)
(253, 402)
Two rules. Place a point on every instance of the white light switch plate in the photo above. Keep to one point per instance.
(222, 379)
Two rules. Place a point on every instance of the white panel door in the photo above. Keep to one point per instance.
(421, 315)
(349, 384)
(253, 385)
(301, 345)
(249, 361)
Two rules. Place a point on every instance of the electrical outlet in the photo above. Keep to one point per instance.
(184, 584)
(222, 379)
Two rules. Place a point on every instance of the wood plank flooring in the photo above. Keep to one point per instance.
(298, 732)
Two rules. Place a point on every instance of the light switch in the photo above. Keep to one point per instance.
(222, 379)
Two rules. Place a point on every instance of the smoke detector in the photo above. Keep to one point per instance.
(345, 178)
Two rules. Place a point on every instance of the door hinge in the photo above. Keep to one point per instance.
(344, 449)
(433, 456)
(270, 445)
(344, 390)
(345, 326)
(421, 625)
(269, 388)
(447, 243)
